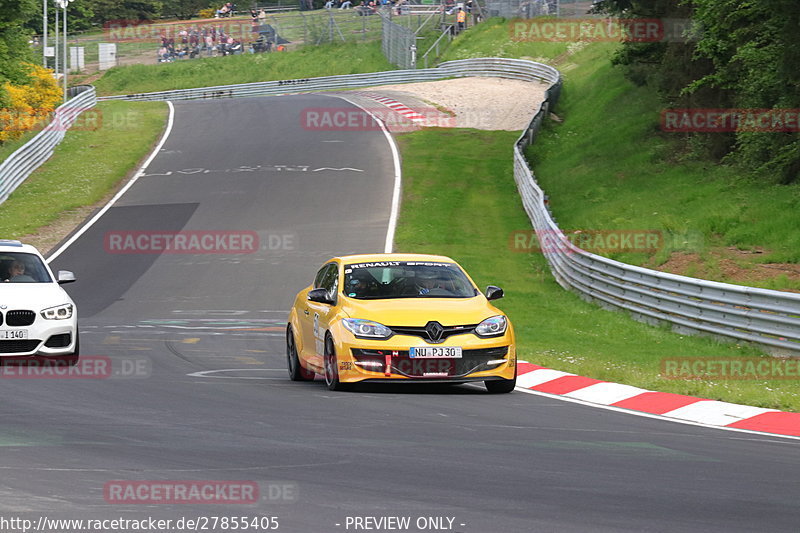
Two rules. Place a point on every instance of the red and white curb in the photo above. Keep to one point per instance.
(662, 404)
(396, 106)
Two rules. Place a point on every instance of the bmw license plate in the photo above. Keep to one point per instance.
(435, 352)
(14, 334)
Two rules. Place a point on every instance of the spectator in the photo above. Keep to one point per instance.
(347, 4)
(209, 44)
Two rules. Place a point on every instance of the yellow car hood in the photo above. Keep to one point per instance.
(419, 311)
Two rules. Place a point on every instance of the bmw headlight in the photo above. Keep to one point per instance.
(366, 328)
(60, 312)
(492, 327)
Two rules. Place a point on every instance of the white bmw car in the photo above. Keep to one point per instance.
(37, 316)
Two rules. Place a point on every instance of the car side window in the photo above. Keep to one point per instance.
(320, 275)
(330, 278)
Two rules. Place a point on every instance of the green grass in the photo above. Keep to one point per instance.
(306, 62)
(9, 147)
(85, 167)
(466, 205)
(493, 38)
(607, 166)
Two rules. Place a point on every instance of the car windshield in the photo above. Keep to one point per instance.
(19, 267)
(406, 279)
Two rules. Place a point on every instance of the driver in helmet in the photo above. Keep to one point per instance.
(358, 285)
(426, 280)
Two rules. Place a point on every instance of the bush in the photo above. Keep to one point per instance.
(24, 106)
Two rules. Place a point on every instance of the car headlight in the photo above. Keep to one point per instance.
(492, 327)
(60, 312)
(366, 328)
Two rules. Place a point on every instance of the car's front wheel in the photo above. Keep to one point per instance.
(296, 370)
(332, 367)
(500, 386)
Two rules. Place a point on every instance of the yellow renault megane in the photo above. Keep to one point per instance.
(399, 318)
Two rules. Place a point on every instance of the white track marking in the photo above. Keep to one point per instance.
(606, 393)
(537, 377)
(153, 154)
(716, 413)
(389, 244)
(657, 417)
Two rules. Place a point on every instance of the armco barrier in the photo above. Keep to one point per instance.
(766, 317)
(503, 68)
(31, 155)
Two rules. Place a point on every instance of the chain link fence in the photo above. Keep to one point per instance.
(419, 33)
(139, 43)
(399, 44)
(538, 8)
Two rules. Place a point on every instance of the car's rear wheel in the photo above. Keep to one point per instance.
(296, 370)
(500, 386)
(332, 367)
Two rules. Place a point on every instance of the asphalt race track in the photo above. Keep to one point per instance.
(199, 390)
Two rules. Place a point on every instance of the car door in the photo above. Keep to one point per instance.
(315, 315)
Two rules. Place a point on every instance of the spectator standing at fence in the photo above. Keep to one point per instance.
(209, 44)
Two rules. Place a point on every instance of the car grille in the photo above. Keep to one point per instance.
(471, 361)
(20, 346)
(433, 332)
(20, 318)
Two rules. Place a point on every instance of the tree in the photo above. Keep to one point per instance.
(753, 46)
(14, 47)
(184, 9)
(746, 55)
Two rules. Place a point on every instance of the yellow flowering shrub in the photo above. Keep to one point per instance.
(29, 104)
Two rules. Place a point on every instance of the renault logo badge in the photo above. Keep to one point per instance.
(434, 331)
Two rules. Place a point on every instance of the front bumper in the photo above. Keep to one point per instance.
(389, 360)
(44, 337)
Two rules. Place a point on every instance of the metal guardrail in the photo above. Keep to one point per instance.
(19, 165)
(766, 317)
(503, 68)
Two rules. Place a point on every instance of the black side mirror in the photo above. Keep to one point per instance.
(493, 293)
(320, 296)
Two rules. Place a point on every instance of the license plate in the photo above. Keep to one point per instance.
(435, 352)
(14, 334)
